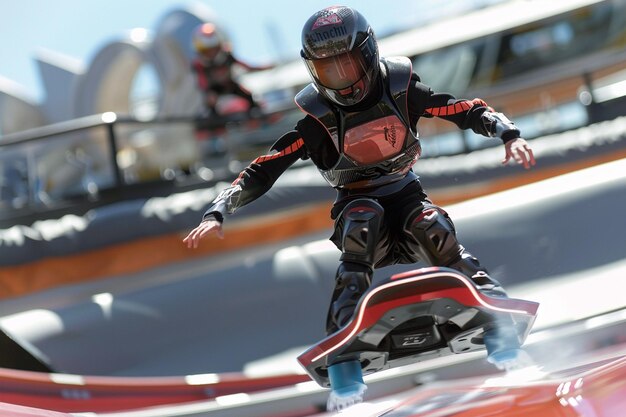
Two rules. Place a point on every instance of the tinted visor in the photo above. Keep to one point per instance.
(339, 71)
(209, 52)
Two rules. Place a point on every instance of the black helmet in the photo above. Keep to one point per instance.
(340, 51)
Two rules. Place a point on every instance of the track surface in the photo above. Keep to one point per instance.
(560, 242)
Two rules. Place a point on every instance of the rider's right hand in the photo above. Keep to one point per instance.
(205, 228)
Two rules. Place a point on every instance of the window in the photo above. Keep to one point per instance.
(540, 44)
(450, 69)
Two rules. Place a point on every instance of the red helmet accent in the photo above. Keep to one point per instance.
(208, 41)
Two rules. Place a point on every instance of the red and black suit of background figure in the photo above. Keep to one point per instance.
(360, 130)
(213, 68)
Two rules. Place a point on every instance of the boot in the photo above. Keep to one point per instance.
(488, 285)
(351, 282)
(468, 265)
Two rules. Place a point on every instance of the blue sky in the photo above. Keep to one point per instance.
(79, 28)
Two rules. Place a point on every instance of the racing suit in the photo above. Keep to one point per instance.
(215, 78)
(366, 152)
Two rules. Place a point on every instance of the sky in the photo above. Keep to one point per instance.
(80, 28)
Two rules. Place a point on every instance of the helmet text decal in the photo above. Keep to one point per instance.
(331, 19)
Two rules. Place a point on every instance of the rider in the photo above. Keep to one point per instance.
(360, 132)
(213, 66)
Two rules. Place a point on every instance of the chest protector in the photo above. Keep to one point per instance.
(376, 146)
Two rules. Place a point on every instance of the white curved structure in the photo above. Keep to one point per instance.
(74, 89)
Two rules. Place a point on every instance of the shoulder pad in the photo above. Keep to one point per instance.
(311, 102)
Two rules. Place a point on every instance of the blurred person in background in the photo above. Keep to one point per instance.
(360, 130)
(213, 67)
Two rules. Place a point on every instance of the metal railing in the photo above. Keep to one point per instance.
(45, 166)
(86, 159)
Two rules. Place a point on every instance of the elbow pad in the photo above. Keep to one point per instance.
(498, 125)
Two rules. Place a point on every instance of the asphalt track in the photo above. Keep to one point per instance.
(560, 242)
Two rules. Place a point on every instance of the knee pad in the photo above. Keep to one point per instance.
(437, 244)
(434, 233)
(360, 224)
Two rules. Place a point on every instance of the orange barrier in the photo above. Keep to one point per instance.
(150, 252)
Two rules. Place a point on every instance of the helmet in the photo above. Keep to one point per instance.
(208, 42)
(340, 51)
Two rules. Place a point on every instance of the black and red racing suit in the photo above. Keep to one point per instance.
(389, 222)
(215, 78)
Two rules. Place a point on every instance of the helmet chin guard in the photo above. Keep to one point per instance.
(340, 52)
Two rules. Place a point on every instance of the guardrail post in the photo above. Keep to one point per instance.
(594, 110)
(117, 173)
